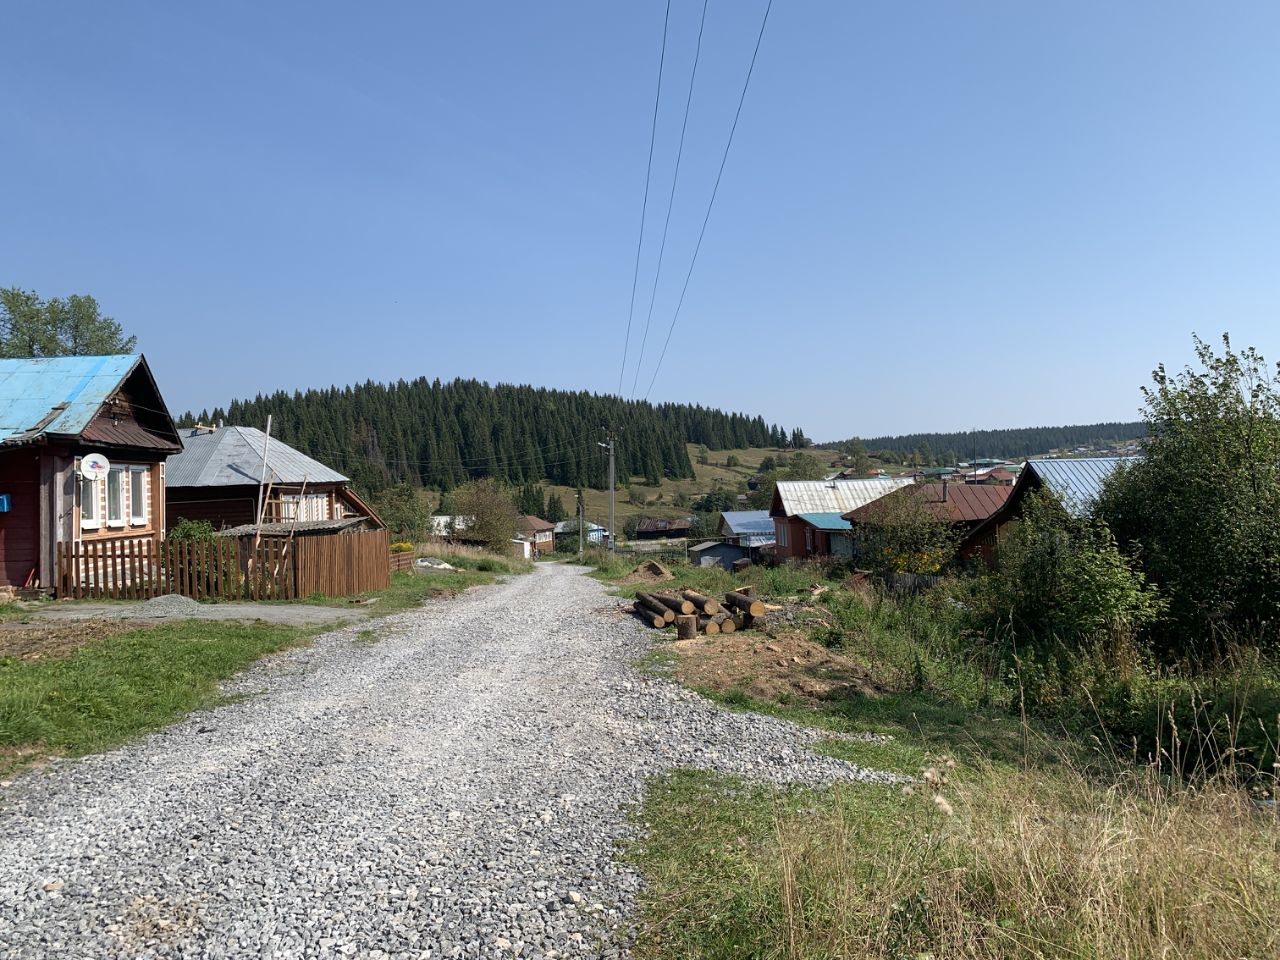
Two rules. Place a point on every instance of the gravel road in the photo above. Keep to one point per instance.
(456, 788)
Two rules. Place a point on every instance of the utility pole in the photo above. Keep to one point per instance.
(581, 521)
(613, 508)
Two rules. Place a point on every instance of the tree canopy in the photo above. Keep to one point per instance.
(75, 326)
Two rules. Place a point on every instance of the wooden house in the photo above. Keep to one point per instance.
(538, 532)
(965, 507)
(655, 529)
(57, 414)
(792, 498)
(1074, 483)
(218, 475)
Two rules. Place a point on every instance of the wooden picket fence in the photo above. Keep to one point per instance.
(401, 562)
(336, 565)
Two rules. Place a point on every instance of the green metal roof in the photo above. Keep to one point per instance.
(829, 522)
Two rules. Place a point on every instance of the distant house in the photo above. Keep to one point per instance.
(1000, 476)
(662, 529)
(566, 534)
(216, 478)
(965, 507)
(541, 533)
(58, 414)
(1075, 483)
(794, 497)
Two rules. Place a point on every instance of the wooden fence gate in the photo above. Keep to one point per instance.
(336, 565)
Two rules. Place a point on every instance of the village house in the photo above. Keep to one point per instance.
(791, 498)
(83, 445)
(541, 534)
(963, 506)
(653, 529)
(218, 476)
(566, 534)
(1075, 483)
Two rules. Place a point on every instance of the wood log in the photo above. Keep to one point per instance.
(708, 626)
(707, 605)
(686, 626)
(649, 603)
(681, 607)
(649, 618)
(740, 601)
(741, 620)
(727, 625)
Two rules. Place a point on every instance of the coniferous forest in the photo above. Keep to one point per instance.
(441, 434)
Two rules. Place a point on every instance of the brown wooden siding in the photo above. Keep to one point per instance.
(19, 528)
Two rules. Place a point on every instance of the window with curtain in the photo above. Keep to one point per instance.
(89, 504)
(115, 497)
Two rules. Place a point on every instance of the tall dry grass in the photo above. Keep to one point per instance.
(1035, 864)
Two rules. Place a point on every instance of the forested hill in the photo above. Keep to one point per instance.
(1017, 442)
(442, 434)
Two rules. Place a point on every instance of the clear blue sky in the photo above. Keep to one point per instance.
(935, 215)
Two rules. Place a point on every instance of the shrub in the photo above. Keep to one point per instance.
(402, 546)
(191, 531)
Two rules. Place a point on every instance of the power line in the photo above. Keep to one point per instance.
(675, 177)
(711, 203)
(644, 206)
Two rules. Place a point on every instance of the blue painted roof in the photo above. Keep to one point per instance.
(1078, 482)
(748, 521)
(826, 521)
(56, 395)
(753, 528)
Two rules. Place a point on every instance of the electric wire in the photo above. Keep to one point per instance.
(711, 203)
(675, 178)
(644, 207)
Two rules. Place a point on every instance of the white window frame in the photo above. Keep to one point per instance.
(93, 522)
(118, 520)
(138, 481)
(783, 538)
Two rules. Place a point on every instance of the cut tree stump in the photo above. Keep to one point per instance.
(686, 627)
(681, 607)
(740, 601)
(707, 605)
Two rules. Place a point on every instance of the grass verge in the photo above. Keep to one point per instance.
(1015, 841)
(127, 684)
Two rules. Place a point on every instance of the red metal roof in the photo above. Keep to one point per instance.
(531, 524)
(953, 502)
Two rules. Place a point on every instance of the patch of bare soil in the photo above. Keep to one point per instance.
(785, 667)
(51, 639)
(648, 572)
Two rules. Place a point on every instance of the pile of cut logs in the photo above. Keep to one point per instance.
(694, 613)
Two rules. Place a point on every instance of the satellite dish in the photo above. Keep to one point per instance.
(94, 466)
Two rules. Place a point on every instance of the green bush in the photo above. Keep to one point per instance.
(191, 531)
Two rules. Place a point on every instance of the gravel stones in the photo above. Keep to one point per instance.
(457, 789)
(170, 606)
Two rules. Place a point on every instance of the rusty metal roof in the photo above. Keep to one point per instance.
(952, 502)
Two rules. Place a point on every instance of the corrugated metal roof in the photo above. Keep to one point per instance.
(833, 496)
(232, 457)
(748, 521)
(826, 521)
(1077, 483)
(56, 395)
(753, 528)
(952, 502)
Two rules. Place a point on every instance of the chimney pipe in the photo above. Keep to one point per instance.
(944, 489)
